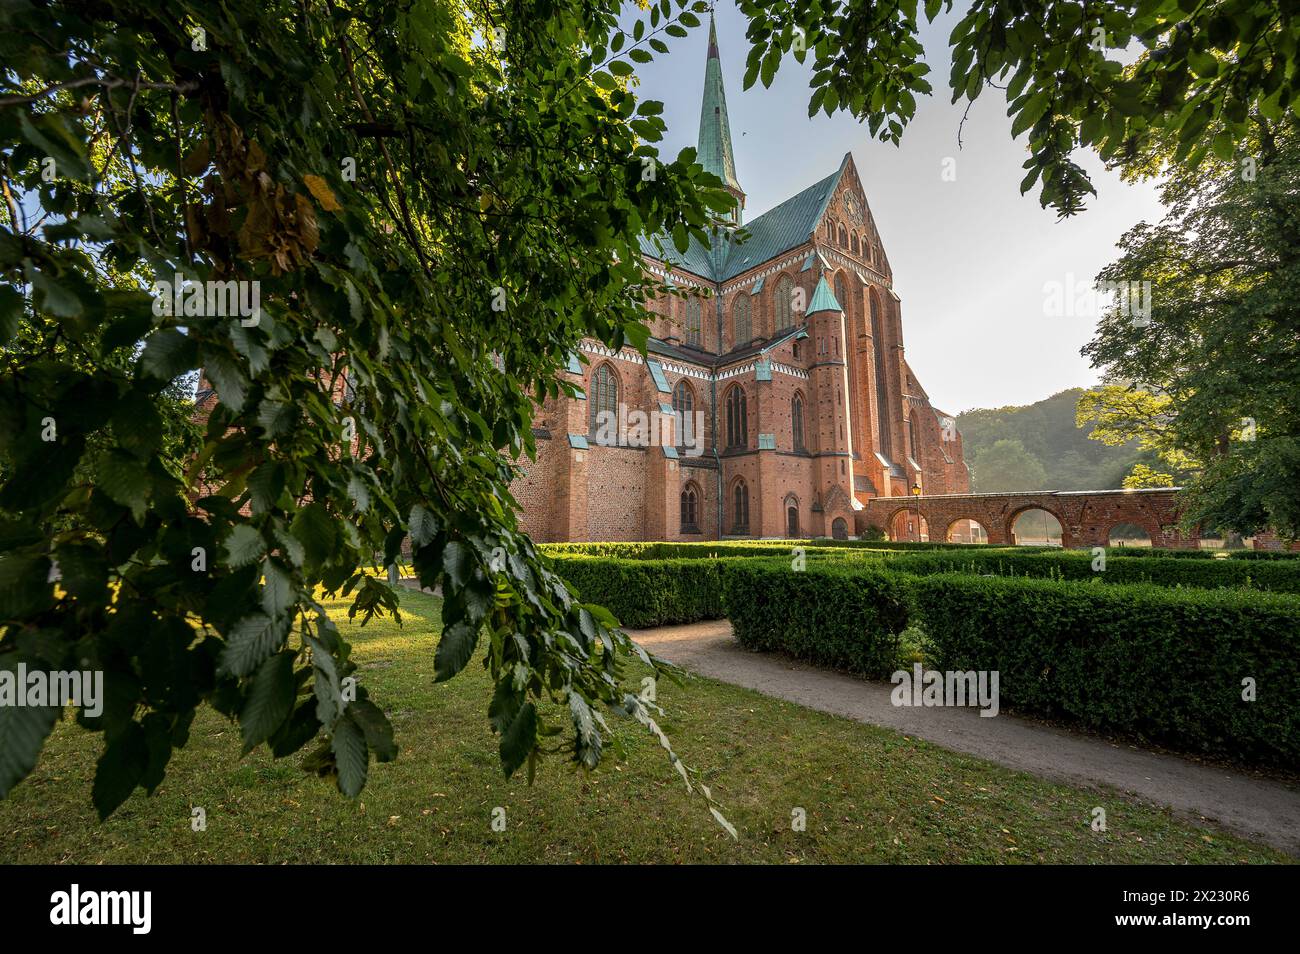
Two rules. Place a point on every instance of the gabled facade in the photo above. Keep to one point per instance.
(776, 398)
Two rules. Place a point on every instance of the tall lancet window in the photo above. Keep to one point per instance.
(693, 321)
(784, 303)
(742, 326)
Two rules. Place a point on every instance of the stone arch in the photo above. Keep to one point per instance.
(840, 529)
(977, 521)
(913, 524)
(1125, 539)
(1015, 515)
(790, 512)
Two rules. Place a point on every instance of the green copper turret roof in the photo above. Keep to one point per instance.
(823, 299)
(714, 148)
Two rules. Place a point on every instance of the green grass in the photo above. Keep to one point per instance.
(870, 794)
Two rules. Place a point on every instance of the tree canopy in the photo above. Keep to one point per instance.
(422, 196)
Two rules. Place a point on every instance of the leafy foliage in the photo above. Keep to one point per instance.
(430, 223)
(1215, 374)
(1056, 438)
(1205, 73)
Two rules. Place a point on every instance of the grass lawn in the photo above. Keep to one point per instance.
(870, 795)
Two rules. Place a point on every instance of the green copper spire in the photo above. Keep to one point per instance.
(823, 299)
(715, 132)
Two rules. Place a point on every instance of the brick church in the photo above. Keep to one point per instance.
(774, 399)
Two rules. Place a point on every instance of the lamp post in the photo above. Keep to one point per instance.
(916, 492)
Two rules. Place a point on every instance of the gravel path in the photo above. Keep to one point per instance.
(1260, 808)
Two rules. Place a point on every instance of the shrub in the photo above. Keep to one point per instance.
(1164, 664)
(830, 615)
(1275, 576)
(644, 593)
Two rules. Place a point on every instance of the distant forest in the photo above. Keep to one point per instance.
(1037, 447)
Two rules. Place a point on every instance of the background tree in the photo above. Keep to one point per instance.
(1005, 466)
(1215, 371)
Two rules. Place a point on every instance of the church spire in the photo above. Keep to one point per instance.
(714, 149)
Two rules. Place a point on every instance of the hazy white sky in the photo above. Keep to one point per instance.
(971, 257)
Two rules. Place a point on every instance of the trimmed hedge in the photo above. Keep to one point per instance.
(1164, 664)
(635, 550)
(1274, 576)
(829, 615)
(643, 593)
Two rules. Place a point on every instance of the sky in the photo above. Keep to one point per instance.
(979, 267)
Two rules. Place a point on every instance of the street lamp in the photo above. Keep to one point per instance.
(916, 492)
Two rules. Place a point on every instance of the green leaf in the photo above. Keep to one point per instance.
(25, 587)
(350, 755)
(519, 740)
(455, 650)
(378, 730)
(278, 595)
(270, 700)
(250, 641)
(23, 730)
(243, 545)
(126, 480)
(423, 526)
(120, 769)
(168, 353)
(11, 314)
(457, 563)
(589, 741)
(317, 531)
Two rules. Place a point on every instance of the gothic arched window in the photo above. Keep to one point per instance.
(691, 509)
(784, 303)
(742, 326)
(796, 421)
(603, 397)
(740, 507)
(693, 321)
(684, 408)
(839, 292)
(737, 418)
(882, 389)
(844, 237)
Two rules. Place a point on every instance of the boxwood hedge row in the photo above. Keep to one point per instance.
(1276, 575)
(831, 615)
(642, 593)
(1164, 664)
